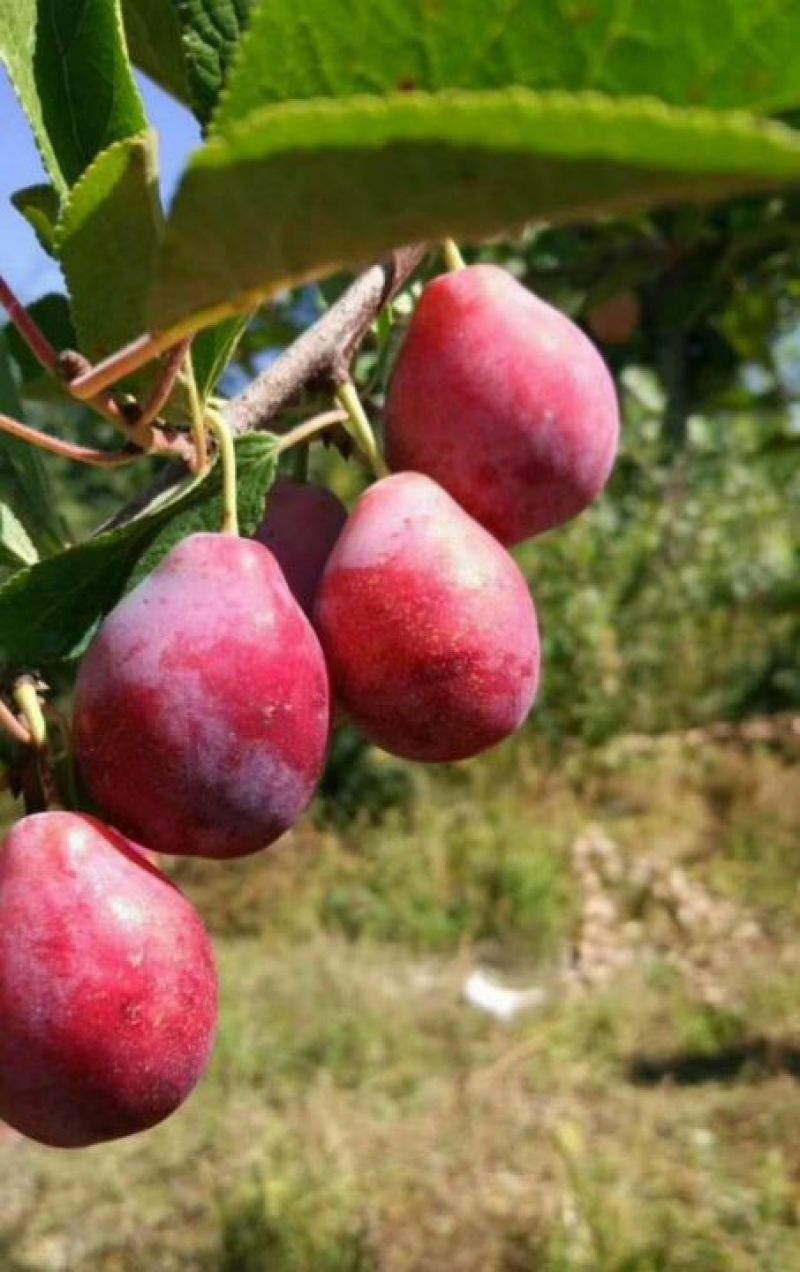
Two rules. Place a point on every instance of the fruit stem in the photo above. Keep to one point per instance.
(227, 457)
(26, 697)
(452, 256)
(198, 419)
(309, 428)
(359, 427)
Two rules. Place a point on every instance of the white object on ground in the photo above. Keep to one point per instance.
(498, 1000)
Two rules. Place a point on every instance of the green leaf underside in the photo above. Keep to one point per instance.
(107, 240)
(40, 206)
(210, 34)
(15, 547)
(68, 63)
(154, 40)
(294, 192)
(725, 54)
(24, 479)
(48, 610)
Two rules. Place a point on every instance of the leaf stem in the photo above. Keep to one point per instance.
(68, 450)
(310, 428)
(227, 457)
(452, 256)
(359, 427)
(26, 697)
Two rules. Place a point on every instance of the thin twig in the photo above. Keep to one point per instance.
(43, 351)
(28, 328)
(165, 384)
(124, 362)
(12, 726)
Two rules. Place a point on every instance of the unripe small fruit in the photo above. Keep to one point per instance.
(202, 711)
(108, 989)
(301, 525)
(504, 401)
(427, 625)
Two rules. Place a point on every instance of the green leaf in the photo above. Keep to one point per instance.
(107, 239)
(24, 480)
(40, 205)
(52, 315)
(212, 350)
(210, 33)
(69, 66)
(294, 192)
(726, 54)
(154, 39)
(48, 610)
(15, 547)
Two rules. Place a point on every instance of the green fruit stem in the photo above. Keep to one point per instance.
(27, 699)
(359, 427)
(452, 256)
(227, 458)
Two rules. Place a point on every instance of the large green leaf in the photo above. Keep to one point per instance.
(721, 53)
(48, 610)
(69, 66)
(24, 481)
(293, 192)
(154, 39)
(210, 34)
(106, 241)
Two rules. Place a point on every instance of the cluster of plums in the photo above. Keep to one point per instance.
(203, 707)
